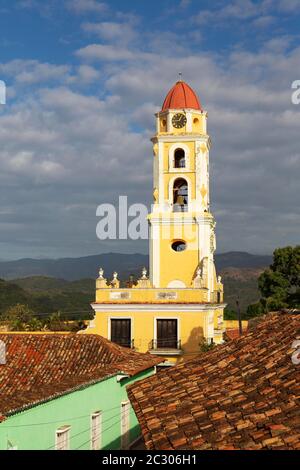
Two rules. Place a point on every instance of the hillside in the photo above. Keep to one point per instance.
(72, 269)
(241, 283)
(49, 293)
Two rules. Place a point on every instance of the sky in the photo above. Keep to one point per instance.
(84, 79)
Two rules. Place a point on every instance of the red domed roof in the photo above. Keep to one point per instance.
(181, 96)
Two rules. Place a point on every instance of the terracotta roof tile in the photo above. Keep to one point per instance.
(240, 395)
(39, 366)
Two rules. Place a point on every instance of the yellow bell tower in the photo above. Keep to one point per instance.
(179, 307)
(182, 236)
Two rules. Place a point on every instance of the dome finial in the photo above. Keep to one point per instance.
(180, 76)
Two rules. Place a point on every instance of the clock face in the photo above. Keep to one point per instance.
(179, 120)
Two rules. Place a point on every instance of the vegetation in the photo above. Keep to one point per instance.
(40, 303)
(280, 284)
(21, 318)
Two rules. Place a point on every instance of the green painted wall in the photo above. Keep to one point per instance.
(34, 429)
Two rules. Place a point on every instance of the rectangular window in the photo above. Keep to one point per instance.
(96, 430)
(167, 334)
(120, 331)
(125, 425)
(63, 438)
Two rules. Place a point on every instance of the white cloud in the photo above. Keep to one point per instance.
(105, 52)
(184, 3)
(87, 74)
(263, 21)
(86, 6)
(65, 151)
(32, 71)
(262, 12)
(111, 31)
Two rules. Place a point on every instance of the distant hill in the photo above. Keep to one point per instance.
(72, 269)
(241, 259)
(48, 295)
(68, 284)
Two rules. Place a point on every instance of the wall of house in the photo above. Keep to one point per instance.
(192, 327)
(35, 428)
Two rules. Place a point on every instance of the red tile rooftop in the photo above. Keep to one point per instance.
(243, 394)
(41, 366)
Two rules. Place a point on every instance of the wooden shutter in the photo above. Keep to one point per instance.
(120, 332)
(167, 333)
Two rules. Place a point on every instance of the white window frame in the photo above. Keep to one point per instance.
(120, 318)
(167, 318)
(172, 149)
(63, 430)
(125, 429)
(96, 441)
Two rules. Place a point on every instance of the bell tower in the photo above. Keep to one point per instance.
(182, 229)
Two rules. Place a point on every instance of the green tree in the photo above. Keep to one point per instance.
(280, 284)
(21, 318)
(55, 322)
(230, 314)
(255, 310)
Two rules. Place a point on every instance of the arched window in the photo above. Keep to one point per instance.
(180, 195)
(179, 158)
(178, 245)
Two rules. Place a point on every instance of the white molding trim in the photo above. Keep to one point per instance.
(120, 308)
(117, 318)
(172, 149)
(202, 138)
(176, 284)
(166, 318)
(171, 184)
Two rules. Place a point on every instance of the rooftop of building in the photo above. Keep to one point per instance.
(240, 395)
(40, 367)
(181, 96)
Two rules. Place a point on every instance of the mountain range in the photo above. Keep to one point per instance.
(72, 269)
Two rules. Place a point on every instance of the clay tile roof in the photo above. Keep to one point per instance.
(233, 333)
(39, 366)
(240, 395)
(181, 96)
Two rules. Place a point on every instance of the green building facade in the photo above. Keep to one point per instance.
(38, 427)
(68, 392)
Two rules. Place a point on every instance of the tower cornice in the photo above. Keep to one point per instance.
(186, 137)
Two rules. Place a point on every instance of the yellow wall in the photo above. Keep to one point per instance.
(198, 124)
(183, 264)
(153, 295)
(191, 328)
(234, 324)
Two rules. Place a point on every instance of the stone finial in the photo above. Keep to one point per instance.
(197, 281)
(101, 272)
(115, 281)
(101, 281)
(219, 279)
(144, 273)
(143, 282)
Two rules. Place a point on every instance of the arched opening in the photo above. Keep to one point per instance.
(178, 245)
(179, 158)
(163, 125)
(180, 195)
(196, 125)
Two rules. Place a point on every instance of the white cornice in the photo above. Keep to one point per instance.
(186, 137)
(196, 308)
(184, 110)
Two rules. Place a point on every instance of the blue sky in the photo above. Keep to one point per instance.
(84, 78)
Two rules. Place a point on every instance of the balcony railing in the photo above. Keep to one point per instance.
(180, 207)
(125, 342)
(165, 344)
